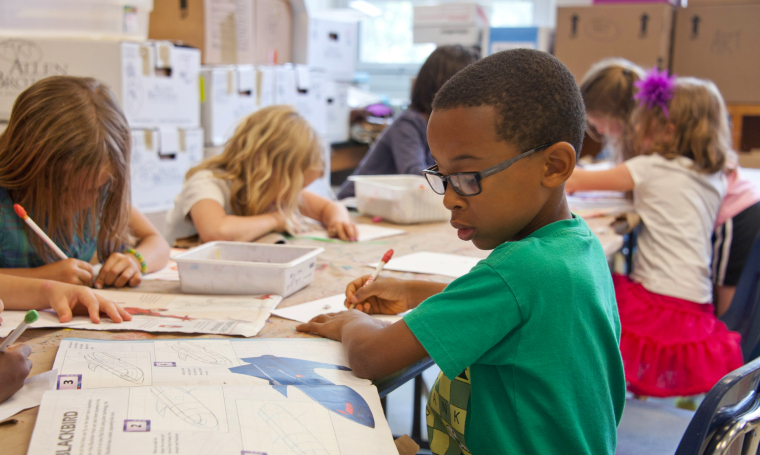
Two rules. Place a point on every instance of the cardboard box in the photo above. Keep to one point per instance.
(338, 113)
(456, 23)
(640, 33)
(160, 159)
(505, 38)
(285, 84)
(326, 43)
(750, 159)
(265, 86)
(273, 32)
(222, 30)
(229, 95)
(94, 19)
(227, 31)
(721, 43)
(155, 82)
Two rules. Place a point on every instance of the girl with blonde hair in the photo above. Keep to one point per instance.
(608, 90)
(256, 185)
(64, 157)
(672, 343)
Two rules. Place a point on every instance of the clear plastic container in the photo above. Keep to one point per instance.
(237, 268)
(402, 199)
(99, 19)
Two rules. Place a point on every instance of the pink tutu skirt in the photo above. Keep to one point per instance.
(670, 346)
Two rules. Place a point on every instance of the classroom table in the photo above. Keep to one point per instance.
(340, 263)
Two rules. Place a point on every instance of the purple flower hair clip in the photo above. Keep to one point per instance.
(656, 89)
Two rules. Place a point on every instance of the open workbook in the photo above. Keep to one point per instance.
(209, 397)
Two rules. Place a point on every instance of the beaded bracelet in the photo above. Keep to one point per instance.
(140, 259)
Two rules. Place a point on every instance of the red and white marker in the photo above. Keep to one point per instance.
(22, 214)
(386, 257)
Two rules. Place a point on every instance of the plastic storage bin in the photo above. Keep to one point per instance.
(246, 268)
(110, 19)
(403, 199)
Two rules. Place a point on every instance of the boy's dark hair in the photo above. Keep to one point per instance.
(535, 97)
(443, 63)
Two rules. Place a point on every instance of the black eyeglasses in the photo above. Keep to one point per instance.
(468, 183)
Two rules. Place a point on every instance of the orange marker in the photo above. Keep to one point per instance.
(386, 257)
(22, 213)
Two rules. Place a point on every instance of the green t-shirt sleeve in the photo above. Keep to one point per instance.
(462, 323)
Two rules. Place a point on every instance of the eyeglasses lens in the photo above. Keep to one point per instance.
(466, 184)
(436, 183)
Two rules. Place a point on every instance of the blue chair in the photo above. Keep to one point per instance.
(729, 415)
(743, 315)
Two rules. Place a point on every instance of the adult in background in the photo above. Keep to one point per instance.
(403, 148)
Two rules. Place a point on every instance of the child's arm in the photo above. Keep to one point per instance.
(616, 179)
(212, 223)
(14, 368)
(332, 214)
(65, 299)
(376, 349)
(121, 269)
(71, 271)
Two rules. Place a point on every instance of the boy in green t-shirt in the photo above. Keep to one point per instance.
(528, 340)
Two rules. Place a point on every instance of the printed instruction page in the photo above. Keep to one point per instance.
(209, 396)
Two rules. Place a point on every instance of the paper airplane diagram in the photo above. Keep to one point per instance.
(282, 372)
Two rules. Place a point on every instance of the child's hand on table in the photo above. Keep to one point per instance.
(330, 325)
(383, 296)
(14, 368)
(119, 270)
(66, 299)
(343, 230)
(72, 271)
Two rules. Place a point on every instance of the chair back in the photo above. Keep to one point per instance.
(743, 316)
(730, 413)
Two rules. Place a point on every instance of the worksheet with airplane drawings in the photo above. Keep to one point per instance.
(209, 396)
(223, 315)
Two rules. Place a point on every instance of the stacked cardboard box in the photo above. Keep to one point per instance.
(640, 32)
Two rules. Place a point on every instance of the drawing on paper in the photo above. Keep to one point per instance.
(290, 431)
(145, 312)
(184, 405)
(188, 349)
(282, 372)
(115, 365)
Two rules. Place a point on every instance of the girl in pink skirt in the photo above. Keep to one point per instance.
(672, 343)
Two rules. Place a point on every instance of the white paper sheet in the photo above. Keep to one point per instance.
(589, 204)
(30, 395)
(367, 232)
(209, 396)
(432, 263)
(168, 273)
(225, 315)
(306, 311)
(211, 420)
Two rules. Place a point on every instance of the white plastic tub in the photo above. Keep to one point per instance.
(246, 268)
(99, 19)
(403, 199)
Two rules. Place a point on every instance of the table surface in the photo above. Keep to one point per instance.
(340, 263)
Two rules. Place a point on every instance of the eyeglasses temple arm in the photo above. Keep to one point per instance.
(501, 166)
